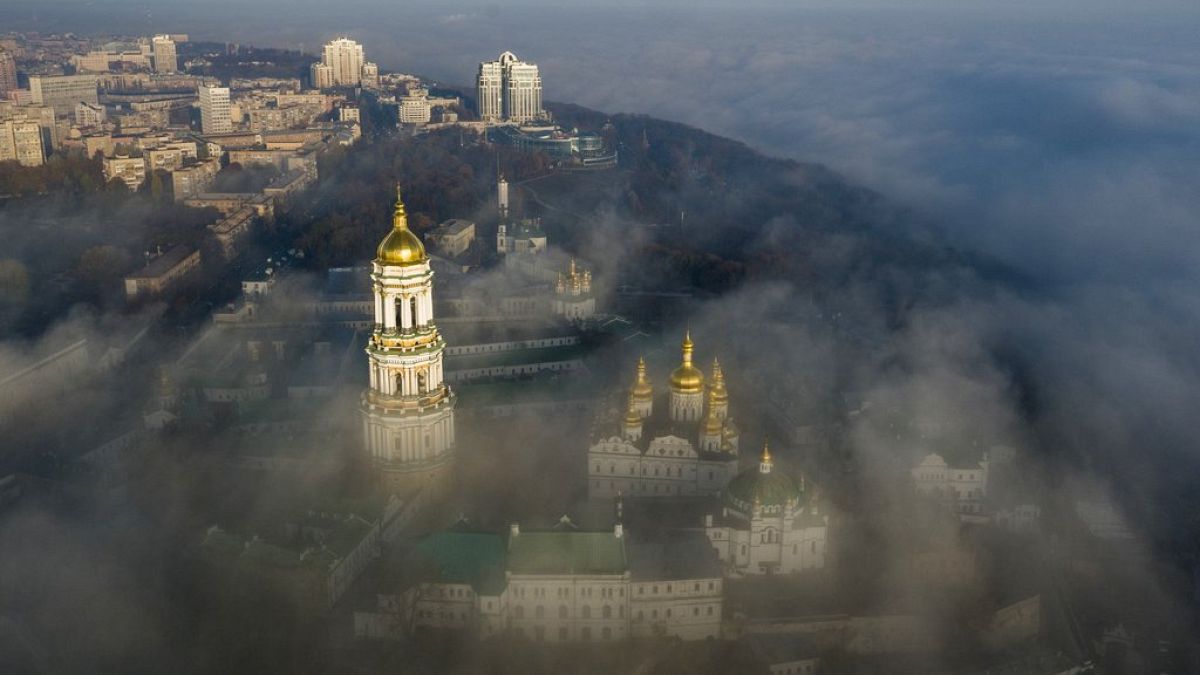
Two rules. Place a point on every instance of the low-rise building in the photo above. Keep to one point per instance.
(559, 585)
(194, 179)
(522, 236)
(452, 238)
(89, 115)
(232, 229)
(962, 486)
(128, 170)
(162, 273)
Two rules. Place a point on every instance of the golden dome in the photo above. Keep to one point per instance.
(632, 418)
(712, 424)
(642, 389)
(401, 246)
(687, 379)
(717, 392)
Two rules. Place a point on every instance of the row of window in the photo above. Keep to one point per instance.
(585, 612)
(585, 633)
(565, 592)
(670, 587)
(640, 617)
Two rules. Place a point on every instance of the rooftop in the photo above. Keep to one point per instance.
(566, 552)
(473, 558)
(163, 263)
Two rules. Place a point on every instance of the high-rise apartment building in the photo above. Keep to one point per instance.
(509, 89)
(8, 73)
(343, 65)
(63, 92)
(321, 76)
(215, 117)
(165, 60)
(21, 141)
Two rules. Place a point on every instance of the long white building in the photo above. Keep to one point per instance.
(561, 585)
(509, 89)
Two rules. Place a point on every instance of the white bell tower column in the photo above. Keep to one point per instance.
(408, 410)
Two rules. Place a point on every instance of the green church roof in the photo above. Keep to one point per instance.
(768, 489)
(465, 558)
(566, 553)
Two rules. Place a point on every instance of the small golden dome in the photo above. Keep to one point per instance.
(642, 389)
(712, 424)
(687, 379)
(632, 418)
(401, 246)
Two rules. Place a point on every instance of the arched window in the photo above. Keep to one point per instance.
(421, 383)
(607, 612)
(399, 384)
(412, 303)
(398, 307)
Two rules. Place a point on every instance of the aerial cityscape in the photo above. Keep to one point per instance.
(324, 351)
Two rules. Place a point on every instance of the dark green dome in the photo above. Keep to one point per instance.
(762, 485)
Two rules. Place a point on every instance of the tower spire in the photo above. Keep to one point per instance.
(399, 214)
(765, 463)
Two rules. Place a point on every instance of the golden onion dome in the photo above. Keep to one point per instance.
(687, 379)
(712, 424)
(632, 418)
(642, 389)
(401, 246)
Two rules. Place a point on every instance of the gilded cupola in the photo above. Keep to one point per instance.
(687, 378)
(401, 246)
(642, 389)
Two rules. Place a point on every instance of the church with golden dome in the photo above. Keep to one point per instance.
(407, 409)
(678, 442)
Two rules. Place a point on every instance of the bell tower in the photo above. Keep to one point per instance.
(408, 410)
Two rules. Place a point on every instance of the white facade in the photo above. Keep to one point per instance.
(408, 409)
(509, 90)
(563, 586)
(686, 449)
(768, 525)
(573, 297)
(321, 76)
(414, 110)
(129, 170)
(343, 65)
(215, 115)
(964, 488)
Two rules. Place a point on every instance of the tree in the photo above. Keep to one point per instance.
(101, 265)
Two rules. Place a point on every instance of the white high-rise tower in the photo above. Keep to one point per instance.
(509, 89)
(215, 115)
(408, 410)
